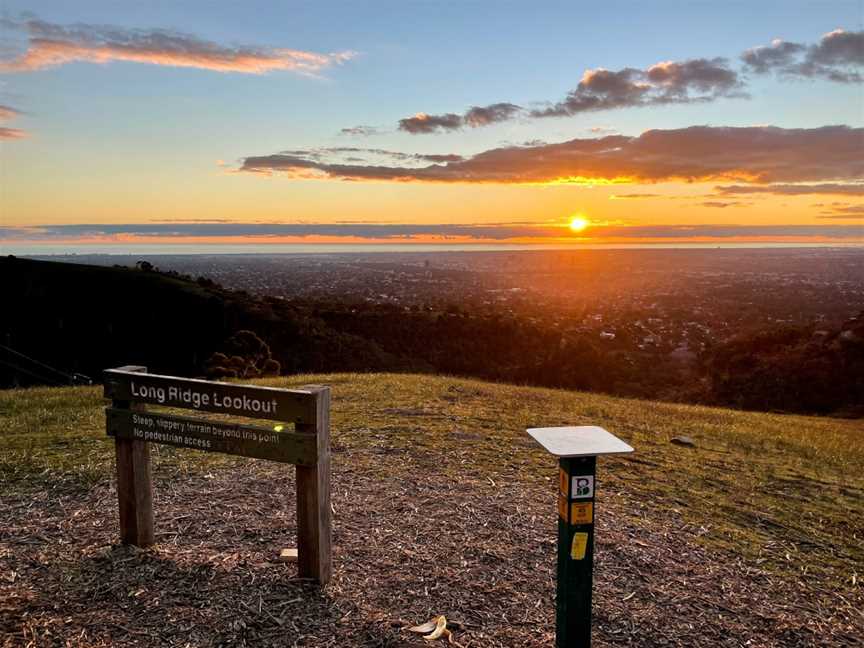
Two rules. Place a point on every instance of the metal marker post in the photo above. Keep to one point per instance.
(577, 449)
(575, 551)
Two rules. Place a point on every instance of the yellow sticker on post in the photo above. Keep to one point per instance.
(581, 513)
(579, 546)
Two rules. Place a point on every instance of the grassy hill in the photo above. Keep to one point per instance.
(442, 505)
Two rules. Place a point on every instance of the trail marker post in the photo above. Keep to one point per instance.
(307, 446)
(577, 449)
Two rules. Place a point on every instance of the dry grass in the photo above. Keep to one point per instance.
(443, 505)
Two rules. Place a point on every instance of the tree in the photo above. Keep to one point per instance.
(245, 356)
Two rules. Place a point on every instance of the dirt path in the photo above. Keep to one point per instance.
(409, 546)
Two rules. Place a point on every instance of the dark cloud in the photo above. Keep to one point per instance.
(728, 231)
(633, 196)
(401, 232)
(601, 90)
(844, 210)
(694, 80)
(394, 231)
(839, 47)
(778, 54)
(52, 45)
(432, 157)
(193, 220)
(838, 56)
(423, 123)
(474, 117)
(706, 78)
(758, 154)
(794, 189)
(357, 154)
(484, 115)
(360, 131)
(719, 204)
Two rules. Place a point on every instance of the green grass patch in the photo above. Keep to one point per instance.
(784, 491)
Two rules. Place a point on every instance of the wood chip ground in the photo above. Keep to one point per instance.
(408, 546)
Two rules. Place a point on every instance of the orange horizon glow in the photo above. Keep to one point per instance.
(569, 241)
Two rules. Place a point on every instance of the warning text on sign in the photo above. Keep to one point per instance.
(213, 436)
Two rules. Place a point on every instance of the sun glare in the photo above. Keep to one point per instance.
(578, 223)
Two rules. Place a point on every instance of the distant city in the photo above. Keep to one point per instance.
(671, 303)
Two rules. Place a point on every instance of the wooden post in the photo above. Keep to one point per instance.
(313, 496)
(134, 485)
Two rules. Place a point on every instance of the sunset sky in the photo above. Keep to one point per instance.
(460, 122)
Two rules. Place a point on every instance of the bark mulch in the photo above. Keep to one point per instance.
(410, 541)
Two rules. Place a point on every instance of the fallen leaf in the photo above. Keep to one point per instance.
(440, 629)
(429, 626)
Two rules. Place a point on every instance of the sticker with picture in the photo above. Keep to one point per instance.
(582, 486)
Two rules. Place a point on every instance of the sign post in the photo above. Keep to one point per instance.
(307, 446)
(577, 449)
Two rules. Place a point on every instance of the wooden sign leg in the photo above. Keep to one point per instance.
(313, 498)
(134, 485)
(134, 491)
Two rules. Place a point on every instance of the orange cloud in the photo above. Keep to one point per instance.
(850, 189)
(12, 133)
(54, 45)
(7, 113)
(759, 154)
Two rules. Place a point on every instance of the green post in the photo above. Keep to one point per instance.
(577, 449)
(575, 552)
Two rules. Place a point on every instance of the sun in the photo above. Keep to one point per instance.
(578, 223)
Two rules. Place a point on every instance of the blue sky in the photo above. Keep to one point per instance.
(106, 138)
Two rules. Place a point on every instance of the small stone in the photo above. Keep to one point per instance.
(683, 441)
(288, 556)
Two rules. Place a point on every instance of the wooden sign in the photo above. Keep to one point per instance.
(134, 428)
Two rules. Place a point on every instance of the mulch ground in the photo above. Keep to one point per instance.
(410, 545)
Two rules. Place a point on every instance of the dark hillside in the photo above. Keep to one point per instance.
(81, 319)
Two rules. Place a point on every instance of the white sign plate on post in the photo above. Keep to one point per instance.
(579, 441)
